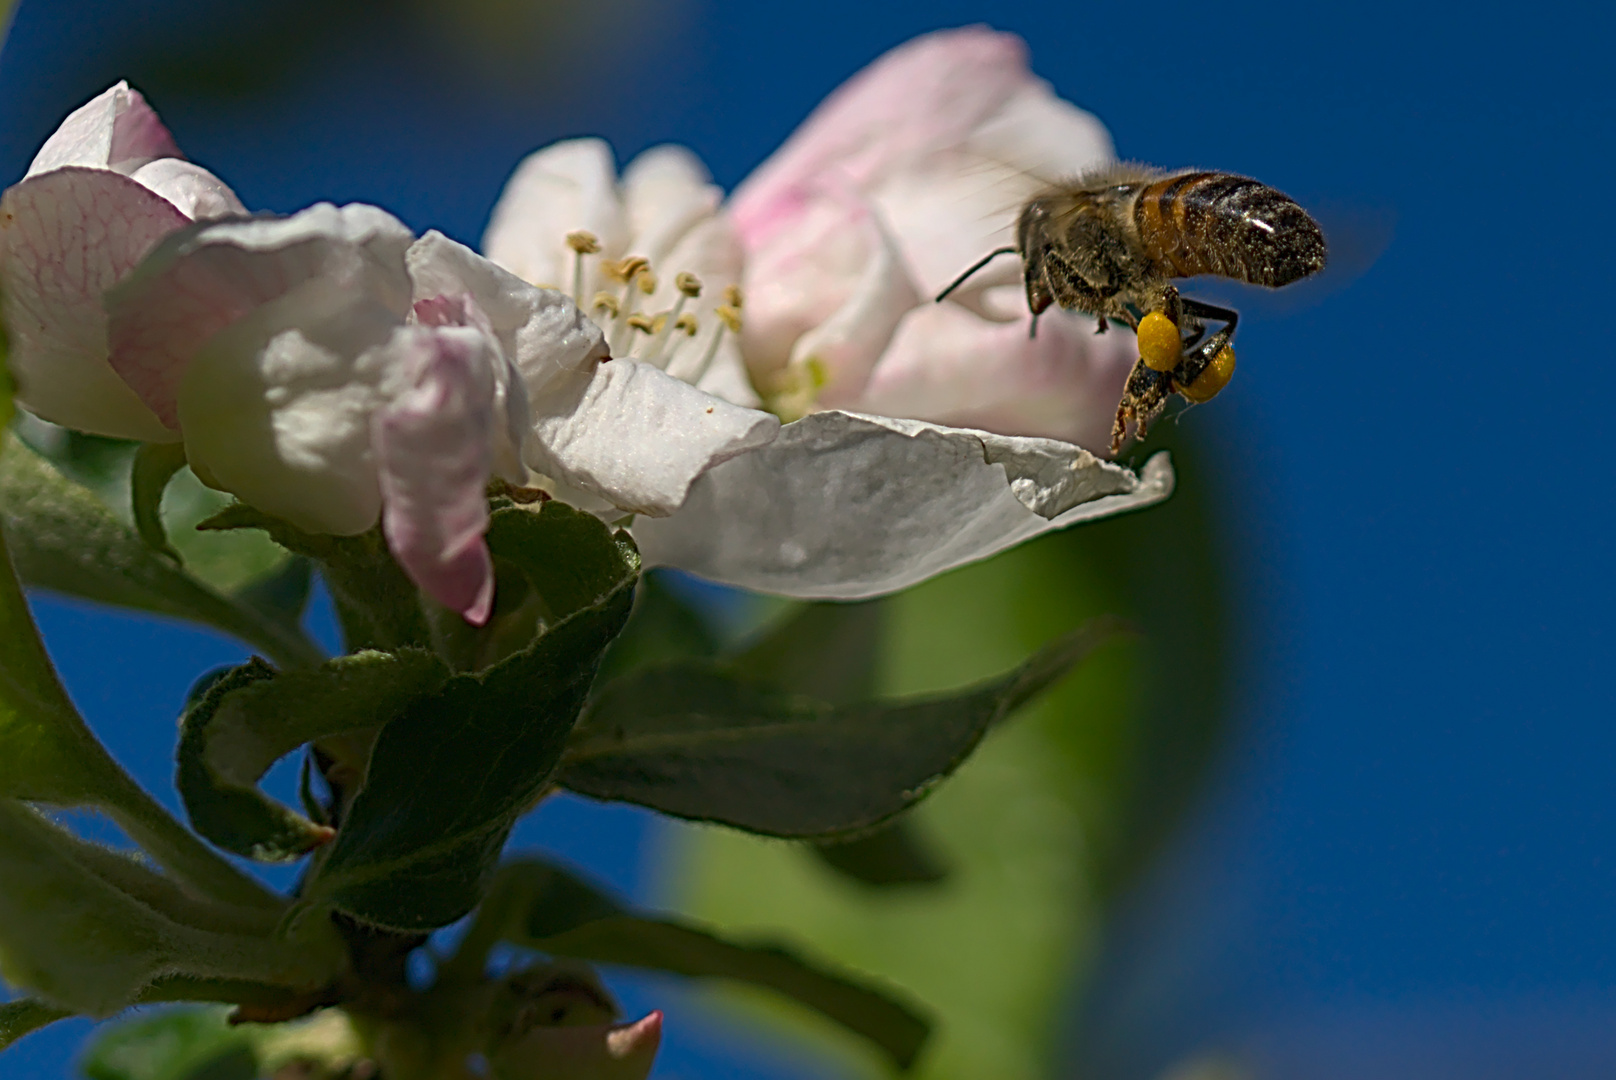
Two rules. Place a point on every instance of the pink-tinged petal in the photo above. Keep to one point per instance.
(950, 366)
(194, 191)
(636, 436)
(849, 343)
(804, 274)
(667, 191)
(585, 1052)
(565, 187)
(925, 95)
(276, 407)
(433, 441)
(114, 130)
(844, 506)
(69, 235)
(208, 276)
(541, 331)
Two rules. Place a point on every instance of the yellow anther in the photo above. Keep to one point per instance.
(643, 323)
(647, 282)
(626, 268)
(605, 301)
(732, 296)
(1214, 377)
(659, 321)
(1160, 347)
(687, 323)
(729, 316)
(687, 283)
(583, 242)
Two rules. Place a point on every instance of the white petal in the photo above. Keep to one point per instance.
(541, 330)
(666, 192)
(68, 236)
(197, 193)
(276, 408)
(114, 130)
(205, 277)
(843, 506)
(638, 437)
(568, 186)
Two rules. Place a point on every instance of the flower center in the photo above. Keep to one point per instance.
(680, 340)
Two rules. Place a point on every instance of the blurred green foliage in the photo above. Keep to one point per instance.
(1059, 810)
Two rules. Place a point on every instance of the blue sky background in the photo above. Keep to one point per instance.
(1407, 866)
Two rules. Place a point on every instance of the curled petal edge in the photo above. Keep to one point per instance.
(844, 506)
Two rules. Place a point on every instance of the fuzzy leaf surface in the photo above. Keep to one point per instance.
(695, 741)
(65, 539)
(252, 717)
(451, 773)
(87, 929)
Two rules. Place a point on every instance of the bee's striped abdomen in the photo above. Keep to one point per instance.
(1218, 223)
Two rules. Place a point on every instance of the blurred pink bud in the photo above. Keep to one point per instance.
(594, 1052)
(907, 174)
(100, 194)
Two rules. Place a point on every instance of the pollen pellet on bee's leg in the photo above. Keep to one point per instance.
(1160, 346)
(1214, 377)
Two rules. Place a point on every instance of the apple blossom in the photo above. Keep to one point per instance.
(900, 179)
(903, 177)
(330, 369)
(102, 191)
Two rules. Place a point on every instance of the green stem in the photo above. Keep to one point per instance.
(70, 766)
(176, 848)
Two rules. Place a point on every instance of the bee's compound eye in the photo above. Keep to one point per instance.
(1159, 344)
(1214, 377)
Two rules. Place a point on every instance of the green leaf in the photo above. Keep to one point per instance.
(662, 628)
(252, 717)
(377, 604)
(25, 1015)
(1053, 814)
(897, 853)
(545, 908)
(825, 651)
(832, 652)
(450, 775)
(175, 1044)
(154, 466)
(694, 741)
(64, 539)
(87, 929)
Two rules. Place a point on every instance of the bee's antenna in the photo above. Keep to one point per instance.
(979, 264)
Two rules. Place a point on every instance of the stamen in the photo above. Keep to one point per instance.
(728, 319)
(605, 301)
(689, 286)
(686, 323)
(643, 323)
(582, 242)
(626, 270)
(732, 296)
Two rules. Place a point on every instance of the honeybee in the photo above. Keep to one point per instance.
(1110, 242)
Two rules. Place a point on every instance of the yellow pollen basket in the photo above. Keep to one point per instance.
(1214, 377)
(1159, 344)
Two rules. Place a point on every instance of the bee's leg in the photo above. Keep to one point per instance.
(1142, 401)
(1214, 344)
(1207, 367)
(1072, 290)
